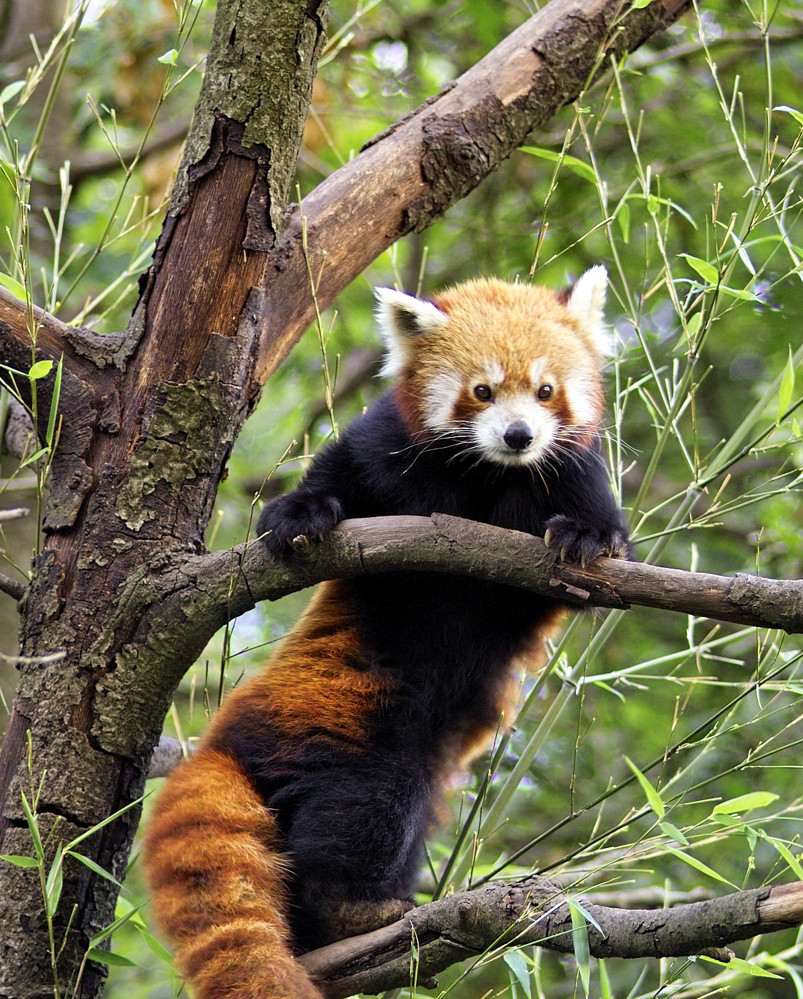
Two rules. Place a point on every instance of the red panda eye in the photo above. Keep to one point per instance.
(544, 392)
(483, 392)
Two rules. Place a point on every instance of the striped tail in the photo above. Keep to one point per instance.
(213, 861)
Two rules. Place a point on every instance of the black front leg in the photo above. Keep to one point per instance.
(300, 513)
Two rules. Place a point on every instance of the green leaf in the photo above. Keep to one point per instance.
(698, 865)
(93, 867)
(34, 457)
(787, 385)
(109, 957)
(54, 404)
(673, 833)
(39, 369)
(107, 931)
(7, 281)
(640, 4)
(169, 58)
(693, 325)
(11, 90)
(797, 115)
(706, 271)
(517, 963)
(745, 803)
(161, 952)
(18, 861)
(605, 987)
(652, 796)
(570, 162)
(794, 863)
(33, 826)
(54, 883)
(582, 950)
(741, 293)
(737, 964)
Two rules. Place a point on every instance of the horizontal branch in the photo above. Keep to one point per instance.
(176, 606)
(451, 544)
(536, 911)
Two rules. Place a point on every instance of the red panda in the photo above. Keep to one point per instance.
(301, 817)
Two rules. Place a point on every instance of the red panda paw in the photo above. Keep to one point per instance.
(297, 515)
(574, 541)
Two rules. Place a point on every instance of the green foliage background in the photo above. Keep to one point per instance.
(680, 170)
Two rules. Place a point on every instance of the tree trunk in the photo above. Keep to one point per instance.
(150, 415)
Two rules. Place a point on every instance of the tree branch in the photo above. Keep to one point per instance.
(537, 911)
(248, 574)
(409, 175)
(174, 608)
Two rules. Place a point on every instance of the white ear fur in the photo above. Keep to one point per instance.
(403, 318)
(587, 303)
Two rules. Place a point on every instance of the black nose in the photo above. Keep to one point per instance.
(518, 436)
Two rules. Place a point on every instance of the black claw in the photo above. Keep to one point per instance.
(287, 519)
(578, 542)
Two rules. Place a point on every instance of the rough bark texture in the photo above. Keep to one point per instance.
(150, 414)
(536, 911)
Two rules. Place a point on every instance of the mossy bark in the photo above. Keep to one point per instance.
(148, 430)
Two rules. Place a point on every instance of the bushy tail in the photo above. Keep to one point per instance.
(212, 859)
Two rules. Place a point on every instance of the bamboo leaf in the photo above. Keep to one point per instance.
(54, 404)
(18, 861)
(582, 949)
(54, 883)
(7, 281)
(706, 271)
(39, 369)
(33, 826)
(87, 862)
(517, 963)
(745, 803)
(576, 166)
(109, 957)
(698, 865)
(787, 386)
(652, 796)
(738, 964)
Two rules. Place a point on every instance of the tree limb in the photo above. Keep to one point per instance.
(536, 911)
(248, 573)
(409, 175)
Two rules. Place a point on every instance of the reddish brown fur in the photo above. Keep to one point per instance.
(312, 683)
(237, 908)
(509, 323)
(314, 679)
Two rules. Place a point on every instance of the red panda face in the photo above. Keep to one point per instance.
(509, 372)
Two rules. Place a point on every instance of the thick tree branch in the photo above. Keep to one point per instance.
(173, 608)
(241, 577)
(408, 176)
(536, 911)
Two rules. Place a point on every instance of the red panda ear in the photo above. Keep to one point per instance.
(586, 302)
(402, 319)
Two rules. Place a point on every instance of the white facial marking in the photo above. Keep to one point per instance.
(537, 370)
(490, 426)
(581, 400)
(492, 372)
(442, 394)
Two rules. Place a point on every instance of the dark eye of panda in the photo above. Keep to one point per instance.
(544, 392)
(483, 392)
